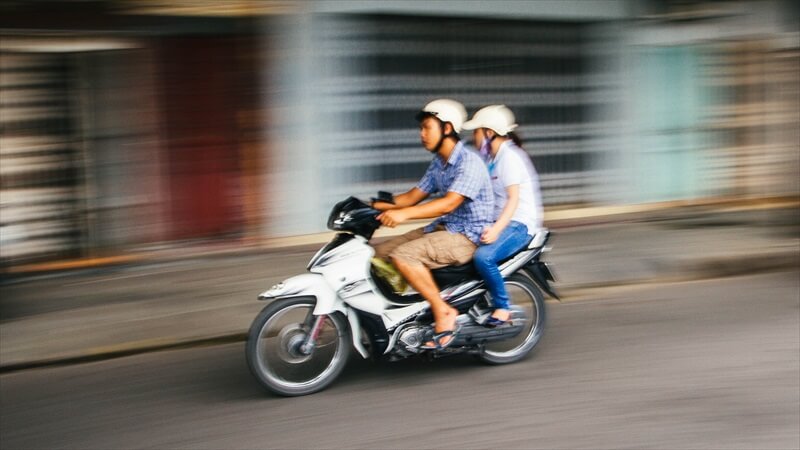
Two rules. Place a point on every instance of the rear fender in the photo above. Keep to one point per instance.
(541, 274)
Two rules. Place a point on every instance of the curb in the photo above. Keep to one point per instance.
(555, 218)
(731, 267)
(123, 350)
(711, 268)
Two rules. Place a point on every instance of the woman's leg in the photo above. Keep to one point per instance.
(513, 238)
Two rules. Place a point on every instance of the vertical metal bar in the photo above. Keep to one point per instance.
(313, 334)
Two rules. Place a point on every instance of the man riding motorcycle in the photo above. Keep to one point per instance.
(461, 213)
(299, 343)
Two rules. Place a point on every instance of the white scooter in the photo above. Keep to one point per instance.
(301, 340)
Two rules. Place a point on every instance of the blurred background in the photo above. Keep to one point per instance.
(207, 140)
(133, 124)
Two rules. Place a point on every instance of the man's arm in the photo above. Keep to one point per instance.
(406, 199)
(433, 208)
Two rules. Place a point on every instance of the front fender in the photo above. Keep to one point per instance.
(307, 284)
(312, 284)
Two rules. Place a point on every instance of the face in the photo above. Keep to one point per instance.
(430, 133)
(477, 137)
(481, 134)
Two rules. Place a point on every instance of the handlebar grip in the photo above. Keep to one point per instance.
(383, 196)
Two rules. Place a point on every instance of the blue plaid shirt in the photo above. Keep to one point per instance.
(465, 174)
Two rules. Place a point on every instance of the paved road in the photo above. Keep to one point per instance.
(709, 364)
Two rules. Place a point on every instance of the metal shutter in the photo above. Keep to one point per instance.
(377, 71)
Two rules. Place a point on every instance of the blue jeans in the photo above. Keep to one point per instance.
(512, 238)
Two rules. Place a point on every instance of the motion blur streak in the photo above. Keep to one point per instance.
(139, 138)
(709, 368)
(138, 125)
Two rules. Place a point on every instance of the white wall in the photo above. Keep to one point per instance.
(593, 10)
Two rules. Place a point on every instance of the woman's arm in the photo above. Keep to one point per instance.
(493, 232)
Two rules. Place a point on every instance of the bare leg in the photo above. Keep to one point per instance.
(420, 278)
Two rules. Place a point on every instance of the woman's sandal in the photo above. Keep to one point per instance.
(493, 322)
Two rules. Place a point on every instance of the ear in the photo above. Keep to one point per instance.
(448, 129)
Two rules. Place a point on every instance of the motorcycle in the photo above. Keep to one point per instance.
(300, 342)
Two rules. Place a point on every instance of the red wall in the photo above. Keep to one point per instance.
(199, 98)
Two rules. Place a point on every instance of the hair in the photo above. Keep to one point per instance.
(525, 155)
(453, 134)
(515, 137)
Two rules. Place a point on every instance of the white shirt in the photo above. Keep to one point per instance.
(513, 166)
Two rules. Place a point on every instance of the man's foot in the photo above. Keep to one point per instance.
(445, 330)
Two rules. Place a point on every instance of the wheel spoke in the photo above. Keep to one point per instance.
(276, 354)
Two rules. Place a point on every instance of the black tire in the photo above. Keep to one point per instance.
(525, 294)
(272, 348)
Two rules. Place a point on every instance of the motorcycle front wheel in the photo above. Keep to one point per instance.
(274, 348)
(526, 299)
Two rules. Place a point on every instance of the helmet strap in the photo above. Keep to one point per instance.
(444, 136)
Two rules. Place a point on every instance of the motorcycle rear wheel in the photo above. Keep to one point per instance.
(273, 348)
(524, 294)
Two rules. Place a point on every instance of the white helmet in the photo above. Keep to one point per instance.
(446, 110)
(497, 118)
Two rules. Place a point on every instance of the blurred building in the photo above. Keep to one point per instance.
(128, 123)
(124, 126)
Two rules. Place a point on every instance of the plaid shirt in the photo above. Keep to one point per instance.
(465, 174)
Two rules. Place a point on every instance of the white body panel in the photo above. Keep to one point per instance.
(393, 317)
(307, 284)
(341, 278)
(369, 302)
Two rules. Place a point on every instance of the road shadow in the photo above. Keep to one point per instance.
(228, 376)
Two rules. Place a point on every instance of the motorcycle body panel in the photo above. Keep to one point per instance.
(340, 294)
(355, 324)
(307, 284)
(340, 279)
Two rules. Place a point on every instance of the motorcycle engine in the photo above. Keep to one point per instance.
(412, 338)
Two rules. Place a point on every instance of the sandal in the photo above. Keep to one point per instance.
(493, 322)
(437, 339)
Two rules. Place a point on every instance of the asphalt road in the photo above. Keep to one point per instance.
(711, 364)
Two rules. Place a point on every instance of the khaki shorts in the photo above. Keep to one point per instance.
(433, 250)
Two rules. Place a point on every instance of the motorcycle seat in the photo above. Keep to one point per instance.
(451, 275)
(539, 238)
(444, 277)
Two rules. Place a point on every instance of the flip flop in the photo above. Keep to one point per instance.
(437, 338)
(493, 322)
